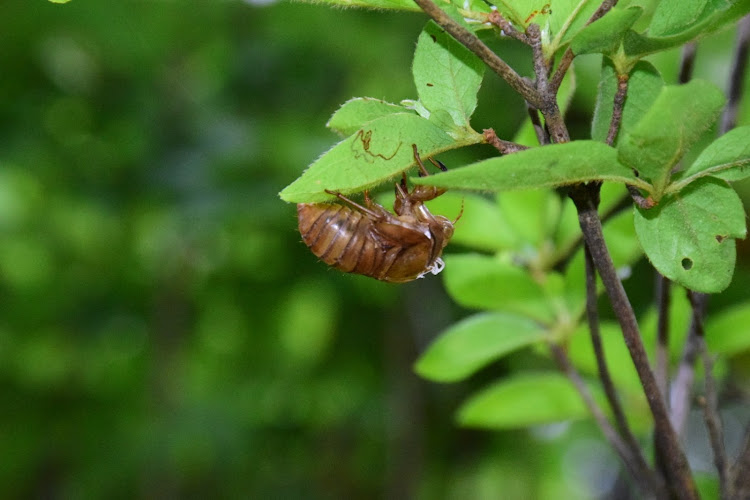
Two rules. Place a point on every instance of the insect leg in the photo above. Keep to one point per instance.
(439, 164)
(364, 210)
(422, 170)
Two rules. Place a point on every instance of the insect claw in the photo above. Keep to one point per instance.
(439, 164)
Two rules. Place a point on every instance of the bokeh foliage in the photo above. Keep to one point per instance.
(164, 332)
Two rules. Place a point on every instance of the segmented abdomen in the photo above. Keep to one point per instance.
(342, 238)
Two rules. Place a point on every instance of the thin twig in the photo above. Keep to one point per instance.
(617, 107)
(568, 56)
(498, 20)
(663, 300)
(713, 423)
(505, 147)
(676, 465)
(540, 66)
(737, 78)
(541, 134)
(474, 44)
(645, 482)
(687, 62)
(592, 314)
(680, 392)
(740, 480)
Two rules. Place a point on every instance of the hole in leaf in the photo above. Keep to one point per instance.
(687, 264)
(434, 39)
(636, 173)
(720, 238)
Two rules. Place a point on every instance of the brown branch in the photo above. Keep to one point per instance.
(568, 56)
(505, 147)
(713, 422)
(737, 78)
(663, 300)
(687, 62)
(617, 107)
(740, 480)
(676, 465)
(683, 382)
(541, 134)
(474, 44)
(654, 483)
(498, 20)
(644, 479)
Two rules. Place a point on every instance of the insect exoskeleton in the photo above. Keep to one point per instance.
(372, 241)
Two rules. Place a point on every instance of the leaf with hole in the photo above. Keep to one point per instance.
(689, 236)
(522, 401)
(379, 151)
(474, 342)
(542, 167)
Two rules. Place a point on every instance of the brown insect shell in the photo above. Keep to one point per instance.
(395, 248)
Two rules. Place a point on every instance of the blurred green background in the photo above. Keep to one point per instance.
(164, 333)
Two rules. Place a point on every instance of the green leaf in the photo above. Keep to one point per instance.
(567, 18)
(483, 282)
(536, 168)
(482, 225)
(727, 157)
(716, 15)
(728, 333)
(376, 153)
(475, 342)
(673, 16)
(606, 34)
(533, 215)
(644, 85)
(689, 237)
(354, 113)
(523, 401)
(371, 4)
(676, 120)
(621, 367)
(447, 75)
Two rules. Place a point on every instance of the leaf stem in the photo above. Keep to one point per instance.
(492, 60)
(676, 465)
(505, 147)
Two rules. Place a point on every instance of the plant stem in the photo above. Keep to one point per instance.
(505, 147)
(639, 461)
(663, 300)
(643, 478)
(677, 469)
(568, 56)
(713, 422)
(740, 481)
(474, 44)
(618, 105)
(683, 382)
(737, 78)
